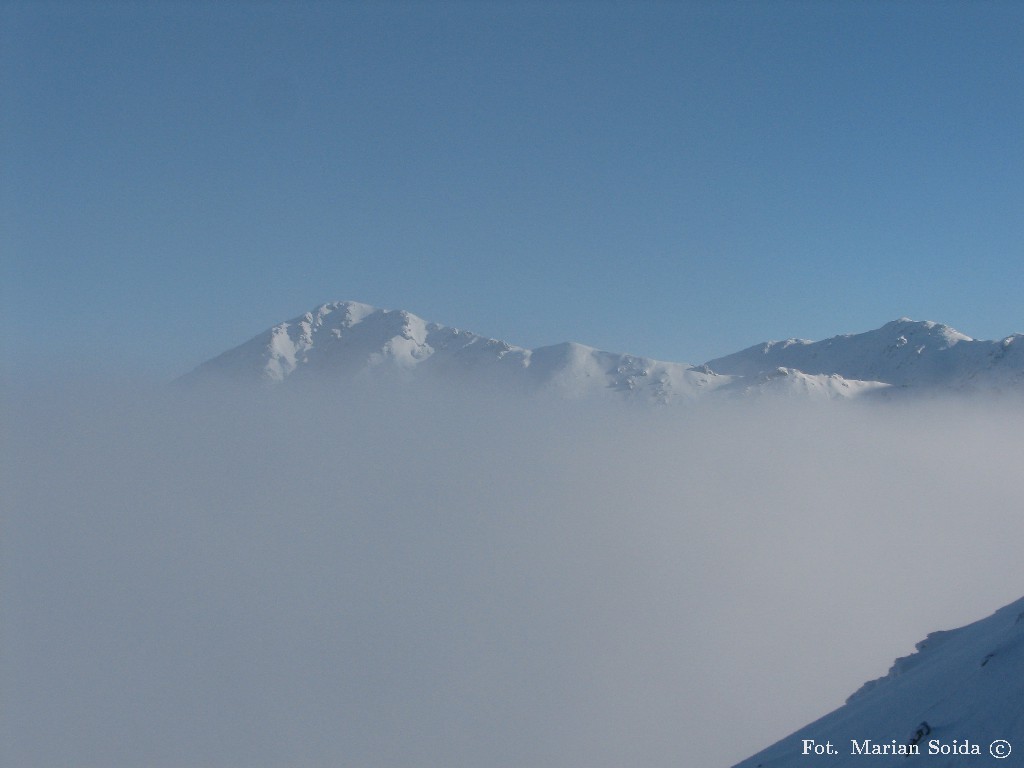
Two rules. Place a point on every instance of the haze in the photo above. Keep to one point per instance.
(381, 578)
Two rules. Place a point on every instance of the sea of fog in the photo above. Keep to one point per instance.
(382, 578)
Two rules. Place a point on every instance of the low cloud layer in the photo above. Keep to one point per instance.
(382, 579)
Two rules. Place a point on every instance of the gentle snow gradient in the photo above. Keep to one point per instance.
(436, 579)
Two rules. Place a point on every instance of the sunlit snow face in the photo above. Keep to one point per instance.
(436, 579)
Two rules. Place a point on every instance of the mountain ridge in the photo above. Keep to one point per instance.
(899, 353)
(349, 339)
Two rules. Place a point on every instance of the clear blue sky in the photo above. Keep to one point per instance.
(678, 180)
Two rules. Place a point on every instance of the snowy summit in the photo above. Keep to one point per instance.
(350, 340)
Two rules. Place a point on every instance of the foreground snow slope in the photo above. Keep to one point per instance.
(346, 340)
(964, 685)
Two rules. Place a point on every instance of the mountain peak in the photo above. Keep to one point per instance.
(350, 338)
(902, 352)
(939, 330)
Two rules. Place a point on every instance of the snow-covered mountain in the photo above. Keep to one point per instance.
(349, 340)
(960, 694)
(901, 353)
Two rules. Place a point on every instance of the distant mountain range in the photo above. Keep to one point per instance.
(953, 700)
(957, 701)
(352, 341)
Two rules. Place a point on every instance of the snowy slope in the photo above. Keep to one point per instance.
(964, 685)
(789, 382)
(901, 353)
(348, 340)
(350, 337)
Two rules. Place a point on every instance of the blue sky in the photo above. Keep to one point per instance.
(678, 180)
